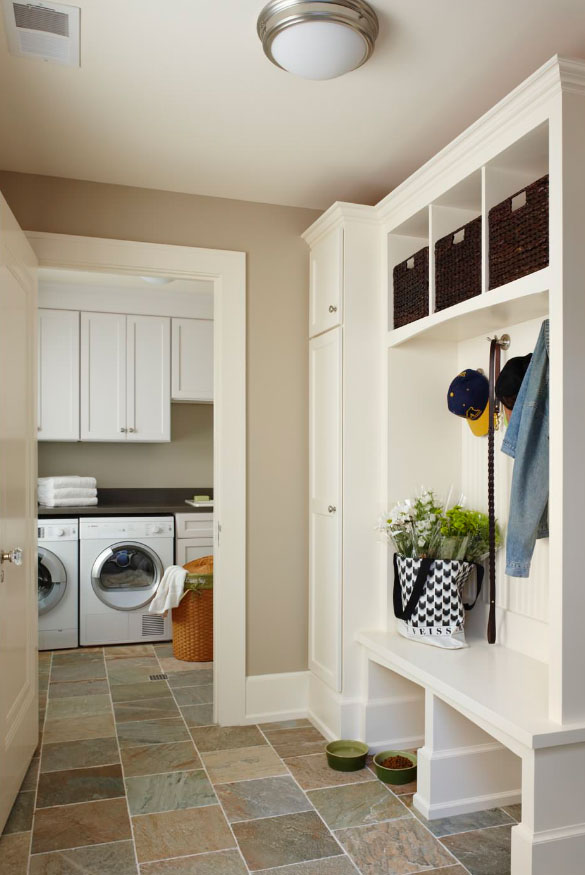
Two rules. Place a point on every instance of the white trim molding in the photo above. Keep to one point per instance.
(226, 270)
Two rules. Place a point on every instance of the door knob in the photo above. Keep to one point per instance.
(332, 308)
(331, 508)
(131, 430)
(14, 556)
(122, 429)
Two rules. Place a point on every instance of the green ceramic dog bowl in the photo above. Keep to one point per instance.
(346, 755)
(395, 776)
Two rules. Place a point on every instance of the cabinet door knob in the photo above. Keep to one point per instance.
(332, 308)
(123, 430)
(331, 508)
(132, 430)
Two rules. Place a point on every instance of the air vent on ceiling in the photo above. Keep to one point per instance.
(49, 31)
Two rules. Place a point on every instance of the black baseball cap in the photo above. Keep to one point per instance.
(510, 379)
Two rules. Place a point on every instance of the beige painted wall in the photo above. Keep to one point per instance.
(277, 276)
(186, 461)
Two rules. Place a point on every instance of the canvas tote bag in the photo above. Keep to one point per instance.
(428, 601)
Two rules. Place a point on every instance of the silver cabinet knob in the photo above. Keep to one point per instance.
(331, 508)
(332, 308)
(123, 430)
(15, 556)
(131, 430)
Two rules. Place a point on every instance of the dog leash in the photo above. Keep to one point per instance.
(493, 410)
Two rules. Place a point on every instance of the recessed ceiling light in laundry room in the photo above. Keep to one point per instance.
(318, 39)
(46, 31)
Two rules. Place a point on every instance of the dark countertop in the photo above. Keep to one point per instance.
(134, 502)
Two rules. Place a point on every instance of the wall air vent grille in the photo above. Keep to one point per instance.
(41, 18)
(152, 625)
(46, 31)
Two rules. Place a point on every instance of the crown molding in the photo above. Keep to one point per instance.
(338, 214)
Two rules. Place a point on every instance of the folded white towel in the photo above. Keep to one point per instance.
(67, 493)
(170, 590)
(70, 481)
(66, 502)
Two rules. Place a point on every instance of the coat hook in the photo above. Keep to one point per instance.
(503, 342)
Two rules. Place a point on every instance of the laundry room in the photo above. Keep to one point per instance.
(125, 454)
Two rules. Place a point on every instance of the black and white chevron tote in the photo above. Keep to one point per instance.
(428, 596)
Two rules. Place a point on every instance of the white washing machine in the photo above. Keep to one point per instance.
(57, 583)
(121, 563)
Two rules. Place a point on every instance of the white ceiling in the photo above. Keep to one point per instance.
(177, 95)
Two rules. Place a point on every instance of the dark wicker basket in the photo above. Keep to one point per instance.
(458, 265)
(411, 288)
(519, 238)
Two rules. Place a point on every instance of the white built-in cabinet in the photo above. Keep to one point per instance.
(194, 536)
(192, 364)
(125, 377)
(58, 375)
(326, 283)
(343, 478)
(325, 510)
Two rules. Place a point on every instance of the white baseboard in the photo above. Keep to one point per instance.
(273, 697)
(465, 806)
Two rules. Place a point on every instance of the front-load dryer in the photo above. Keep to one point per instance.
(121, 564)
(58, 583)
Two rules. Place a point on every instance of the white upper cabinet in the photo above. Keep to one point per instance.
(58, 375)
(192, 367)
(103, 377)
(148, 378)
(326, 283)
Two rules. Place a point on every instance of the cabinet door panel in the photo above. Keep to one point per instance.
(192, 342)
(58, 375)
(325, 534)
(149, 378)
(188, 549)
(103, 377)
(326, 283)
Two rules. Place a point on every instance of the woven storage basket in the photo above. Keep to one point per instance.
(411, 288)
(193, 619)
(519, 238)
(458, 265)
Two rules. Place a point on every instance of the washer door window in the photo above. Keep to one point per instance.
(52, 580)
(126, 576)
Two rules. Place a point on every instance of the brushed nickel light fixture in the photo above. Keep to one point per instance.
(318, 39)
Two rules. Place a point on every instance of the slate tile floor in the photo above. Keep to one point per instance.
(132, 778)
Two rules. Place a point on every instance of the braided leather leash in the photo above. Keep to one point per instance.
(494, 408)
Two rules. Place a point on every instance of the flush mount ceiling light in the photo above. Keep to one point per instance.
(318, 39)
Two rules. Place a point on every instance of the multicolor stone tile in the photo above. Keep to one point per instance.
(226, 737)
(218, 863)
(106, 859)
(191, 678)
(278, 841)
(145, 709)
(14, 850)
(76, 728)
(21, 815)
(395, 847)
(73, 826)
(482, 852)
(80, 754)
(197, 715)
(444, 826)
(265, 797)
(181, 833)
(159, 731)
(356, 804)
(296, 742)
(167, 792)
(92, 687)
(331, 866)
(224, 766)
(79, 785)
(136, 692)
(155, 759)
(199, 695)
(313, 772)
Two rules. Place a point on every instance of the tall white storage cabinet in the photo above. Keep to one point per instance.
(125, 377)
(494, 724)
(344, 486)
(58, 376)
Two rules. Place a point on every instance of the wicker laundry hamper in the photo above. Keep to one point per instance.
(193, 619)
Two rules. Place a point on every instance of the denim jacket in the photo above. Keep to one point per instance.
(526, 441)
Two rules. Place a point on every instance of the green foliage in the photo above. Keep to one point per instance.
(471, 525)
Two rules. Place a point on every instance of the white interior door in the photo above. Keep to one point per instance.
(58, 380)
(18, 582)
(325, 535)
(103, 377)
(148, 372)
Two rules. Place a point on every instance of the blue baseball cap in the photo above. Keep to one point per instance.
(468, 396)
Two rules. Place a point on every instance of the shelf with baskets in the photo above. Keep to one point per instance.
(481, 236)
